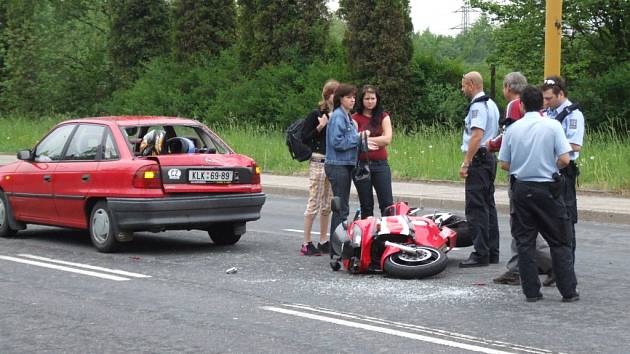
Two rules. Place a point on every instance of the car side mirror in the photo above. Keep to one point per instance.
(25, 155)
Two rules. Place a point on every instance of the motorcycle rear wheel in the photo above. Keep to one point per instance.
(428, 262)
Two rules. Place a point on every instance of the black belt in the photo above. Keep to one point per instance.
(318, 160)
(533, 183)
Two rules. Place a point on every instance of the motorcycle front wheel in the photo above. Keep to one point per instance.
(427, 262)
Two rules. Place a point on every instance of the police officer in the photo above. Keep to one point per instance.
(479, 171)
(560, 108)
(533, 150)
(513, 85)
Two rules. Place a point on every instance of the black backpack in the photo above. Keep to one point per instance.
(298, 150)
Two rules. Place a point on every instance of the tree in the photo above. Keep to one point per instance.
(378, 40)
(18, 89)
(3, 44)
(594, 34)
(595, 50)
(139, 32)
(204, 26)
(275, 31)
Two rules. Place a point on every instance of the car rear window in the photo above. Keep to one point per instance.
(172, 139)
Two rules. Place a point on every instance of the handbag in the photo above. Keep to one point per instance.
(361, 170)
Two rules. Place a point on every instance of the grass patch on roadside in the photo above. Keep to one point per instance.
(431, 153)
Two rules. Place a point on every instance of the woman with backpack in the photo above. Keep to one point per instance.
(319, 190)
(370, 116)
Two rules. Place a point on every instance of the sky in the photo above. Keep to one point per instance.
(438, 15)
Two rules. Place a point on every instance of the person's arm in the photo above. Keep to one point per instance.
(575, 130)
(505, 153)
(473, 146)
(310, 127)
(562, 147)
(386, 138)
(342, 138)
(563, 160)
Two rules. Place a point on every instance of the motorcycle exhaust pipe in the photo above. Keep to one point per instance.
(402, 247)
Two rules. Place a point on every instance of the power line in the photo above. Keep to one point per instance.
(465, 10)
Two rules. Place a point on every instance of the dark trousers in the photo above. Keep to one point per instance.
(340, 177)
(534, 210)
(381, 180)
(570, 174)
(481, 211)
(543, 257)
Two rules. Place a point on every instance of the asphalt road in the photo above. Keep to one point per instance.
(169, 292)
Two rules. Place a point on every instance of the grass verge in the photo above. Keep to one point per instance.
(431, 153)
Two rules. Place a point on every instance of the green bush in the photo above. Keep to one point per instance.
(437, 92)
(215, 91)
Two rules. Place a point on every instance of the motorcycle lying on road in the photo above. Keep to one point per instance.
(401, 244)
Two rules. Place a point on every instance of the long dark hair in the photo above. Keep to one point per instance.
(342, 91)
(377, 111)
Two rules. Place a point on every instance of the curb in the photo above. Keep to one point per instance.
(450, 204)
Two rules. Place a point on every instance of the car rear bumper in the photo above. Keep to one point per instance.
(185, 212)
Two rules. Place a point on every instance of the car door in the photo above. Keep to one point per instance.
(75, 173)
(32, 197)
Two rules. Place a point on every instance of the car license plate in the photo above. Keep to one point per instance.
(210, 176)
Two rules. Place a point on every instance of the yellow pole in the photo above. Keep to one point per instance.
(553, 36)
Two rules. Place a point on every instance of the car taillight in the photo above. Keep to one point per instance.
(256, 175)
(147, 177)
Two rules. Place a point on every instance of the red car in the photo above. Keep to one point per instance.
(117, 175)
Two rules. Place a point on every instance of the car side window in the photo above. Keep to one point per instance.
(85, 142)
(110, 152)
(51, 148)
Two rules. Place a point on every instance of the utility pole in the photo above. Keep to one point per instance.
(553, 37)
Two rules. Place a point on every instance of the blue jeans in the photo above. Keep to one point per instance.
(340, 177)
(381, 180)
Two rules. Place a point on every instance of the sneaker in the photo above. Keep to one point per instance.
(309, 250)
(509, 278)
(324, 247)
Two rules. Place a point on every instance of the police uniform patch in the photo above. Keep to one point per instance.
(474, 113)
(572, 123)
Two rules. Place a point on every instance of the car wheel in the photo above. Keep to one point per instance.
(223, 234)
(102, 228)
(5, 230)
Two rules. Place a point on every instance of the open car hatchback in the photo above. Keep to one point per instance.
(114, 176)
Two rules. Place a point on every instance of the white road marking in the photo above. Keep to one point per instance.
(301, 231)
(430, 335)
(66, 269)
(86, 266)
(294, 230)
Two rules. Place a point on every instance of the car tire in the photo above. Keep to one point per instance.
(223, 235)
(5, 229)
(103, 229)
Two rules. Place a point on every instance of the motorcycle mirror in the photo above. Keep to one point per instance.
(357, 215)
